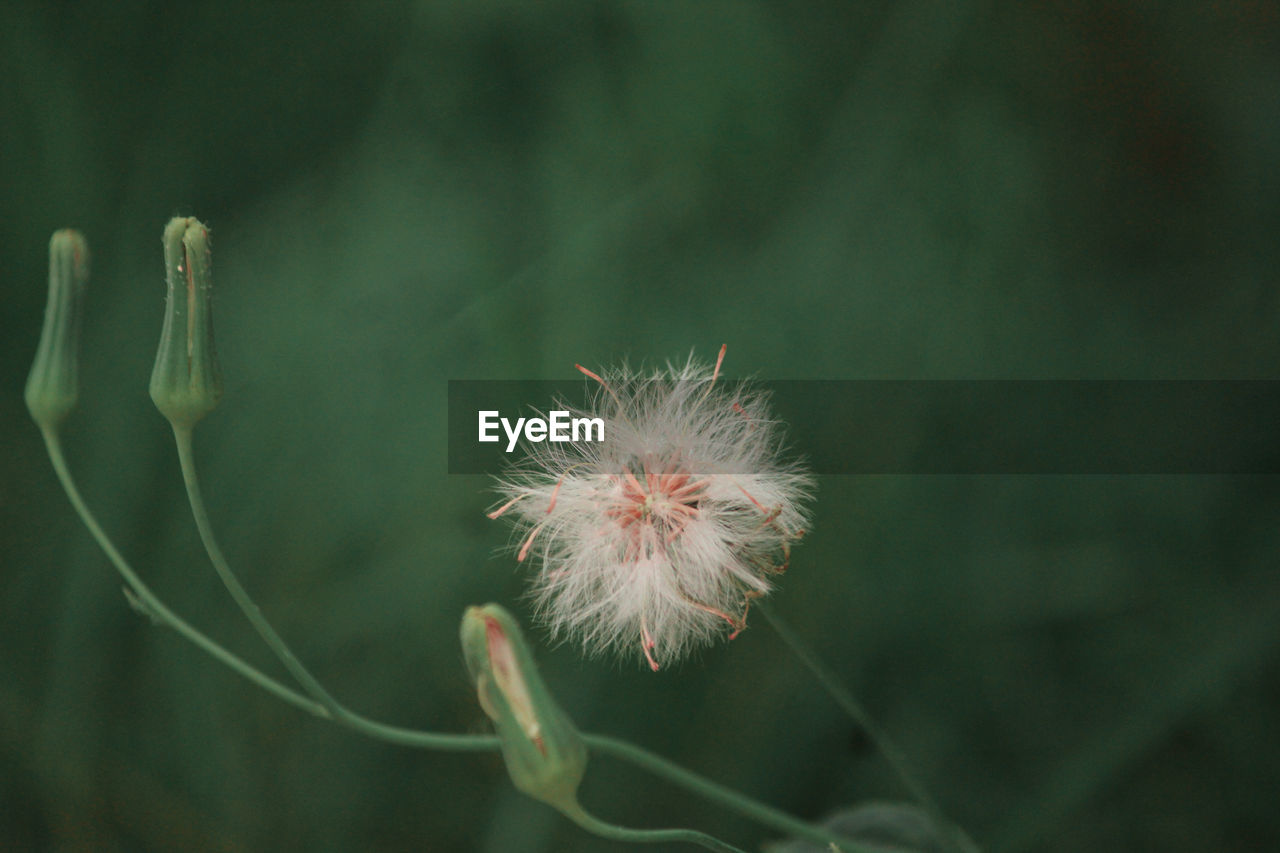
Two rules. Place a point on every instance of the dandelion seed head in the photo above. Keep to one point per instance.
(655, 540)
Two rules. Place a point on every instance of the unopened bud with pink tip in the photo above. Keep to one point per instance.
(186, 382)
(545, 755)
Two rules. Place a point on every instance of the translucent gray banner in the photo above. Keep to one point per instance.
(844, 427)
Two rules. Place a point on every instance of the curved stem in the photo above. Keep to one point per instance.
(146, 600)
(182, 435)
(954, 836)
(332, 708)
(645, 836)
(757, 811)
(143, 599)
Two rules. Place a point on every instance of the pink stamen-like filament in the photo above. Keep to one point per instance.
(709, 609)
(632, 489)
(647, 644)
(673, 481)
(652, 479)
(719, 361)
(555, 493)
(759, 506)
(603, 384)
(524, 549)
(506, 506)
(689, 489)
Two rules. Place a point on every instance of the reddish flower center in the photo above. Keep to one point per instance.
(658, 501)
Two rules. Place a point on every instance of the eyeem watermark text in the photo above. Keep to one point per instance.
(559, 427)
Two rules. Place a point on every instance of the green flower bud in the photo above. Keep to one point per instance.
(186, 382)
(545, 755)
(53, 383)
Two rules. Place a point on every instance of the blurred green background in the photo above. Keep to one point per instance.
(403, 194)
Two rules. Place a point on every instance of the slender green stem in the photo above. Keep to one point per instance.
(761, 813)
(147, 600)
(332, 708)
(646, 836)
(182, 435)
(955, 837)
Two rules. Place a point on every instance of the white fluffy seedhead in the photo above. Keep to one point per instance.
(656, 539)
